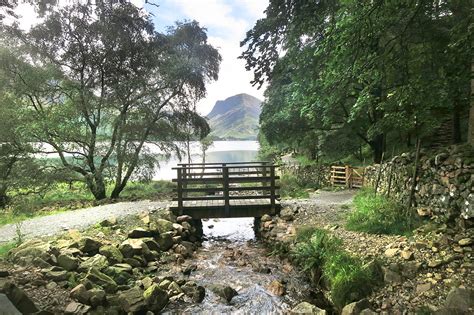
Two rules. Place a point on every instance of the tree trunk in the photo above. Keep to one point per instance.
(377, 145)
(4, 199)
(97, 187)
(470, 136)
(456, 124)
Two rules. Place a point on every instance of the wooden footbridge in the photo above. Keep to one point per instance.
(226, 190)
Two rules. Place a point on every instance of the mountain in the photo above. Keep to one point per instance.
(235, 118)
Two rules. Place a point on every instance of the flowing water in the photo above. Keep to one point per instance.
(232, 256)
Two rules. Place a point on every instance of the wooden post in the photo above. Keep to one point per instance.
(264, 174)
(184, 182)
(180, 191)
(272, 189)
(348, 176)
(225, 176)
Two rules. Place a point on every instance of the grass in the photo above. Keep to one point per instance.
(377, 214)
(291, 188)
(5, 248)
(349, 278)
(63, 197)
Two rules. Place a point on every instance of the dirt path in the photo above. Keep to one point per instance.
(76, 219)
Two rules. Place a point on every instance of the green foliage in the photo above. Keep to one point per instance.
(6, 247)
(290, 187)
(99, 86)
(358, 76)
(379, 215)
(349, 278)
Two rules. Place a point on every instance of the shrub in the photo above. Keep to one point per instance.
(290, 187)
(348, 277)
(379, 215)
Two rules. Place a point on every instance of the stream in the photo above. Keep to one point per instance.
(232, 256)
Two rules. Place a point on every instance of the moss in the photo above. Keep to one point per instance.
(6, 247)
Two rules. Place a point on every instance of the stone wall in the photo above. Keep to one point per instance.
(445, 181)
(309, 175)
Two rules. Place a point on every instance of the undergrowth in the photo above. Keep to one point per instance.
(290, 187)
(378, 214)
(349, 278)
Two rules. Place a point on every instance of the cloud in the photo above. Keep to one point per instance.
(227, 23)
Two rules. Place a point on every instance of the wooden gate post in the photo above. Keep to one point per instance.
(180, 191)
(225, 176)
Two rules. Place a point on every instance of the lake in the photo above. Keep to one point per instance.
(220, 151)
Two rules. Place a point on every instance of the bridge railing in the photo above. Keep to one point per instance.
(225, 183)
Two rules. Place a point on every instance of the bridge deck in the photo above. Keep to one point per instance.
(221, 190)
(216, 208)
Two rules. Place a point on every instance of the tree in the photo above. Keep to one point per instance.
(100, 87)
(380, 70)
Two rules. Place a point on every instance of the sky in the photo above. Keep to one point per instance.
(227, 22)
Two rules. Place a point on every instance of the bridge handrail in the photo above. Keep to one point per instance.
(224, 177)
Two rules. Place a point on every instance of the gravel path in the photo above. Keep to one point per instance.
(76, 219)
(79, 219)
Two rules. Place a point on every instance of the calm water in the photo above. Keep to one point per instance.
(220, 151)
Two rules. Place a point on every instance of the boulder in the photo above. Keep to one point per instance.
(225, 292)
(195, 292)
(76, 308)
(460, 299)
(132, 300)
(174, 289)
(184, 218)
(151, 244)
(109, 222)
(97, 297)
(307, 308)
(90, 245)
(161, 226)
(7, 307)
(57, 275)
(113, 254)
(139, 233)
(29, 250)
(132, 247)
(155, 298)
(80, 294)
(355, 308)
(101, 279)
(97, 261)
(390, 276)
(18, 298)
(276, 288)
(286, 214)
(68, 262)
(165, 241)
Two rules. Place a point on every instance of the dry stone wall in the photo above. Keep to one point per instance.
(444, 185)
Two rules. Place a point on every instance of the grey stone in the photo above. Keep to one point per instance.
(97, 261)
(68, 262)
(155, 298)
(7, 307)
(76, 308)
(89, 245)
(461, 299)
(355, 308)
(113, 254)
(139, 233)
(19, 298)
(225, 292)
(132, 300)
(101, 279)
(307, 308)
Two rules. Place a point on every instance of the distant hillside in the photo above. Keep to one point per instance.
(235, 118)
